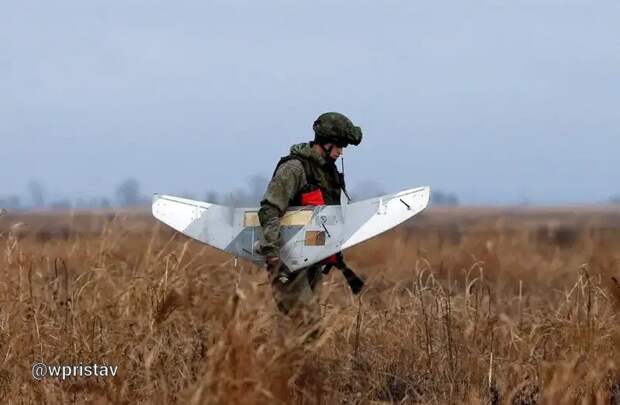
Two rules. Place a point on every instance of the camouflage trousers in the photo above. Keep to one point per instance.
(299, 299)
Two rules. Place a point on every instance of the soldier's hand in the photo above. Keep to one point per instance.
(278, 272)
(273, 264)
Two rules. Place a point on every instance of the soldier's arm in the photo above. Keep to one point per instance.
(285, 184)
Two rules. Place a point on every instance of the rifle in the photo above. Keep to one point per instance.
(355, 282)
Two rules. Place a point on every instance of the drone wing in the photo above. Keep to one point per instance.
(309, 234)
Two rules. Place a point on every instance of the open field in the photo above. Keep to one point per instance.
(462, 306)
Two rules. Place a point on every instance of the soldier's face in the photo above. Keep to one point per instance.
(336, 151)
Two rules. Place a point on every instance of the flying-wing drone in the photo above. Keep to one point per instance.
(309, 234)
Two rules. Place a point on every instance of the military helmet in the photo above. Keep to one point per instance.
(333, 127)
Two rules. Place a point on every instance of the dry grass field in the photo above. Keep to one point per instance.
(462, 306)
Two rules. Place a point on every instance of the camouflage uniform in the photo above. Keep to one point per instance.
(290, 180)
(287, 183)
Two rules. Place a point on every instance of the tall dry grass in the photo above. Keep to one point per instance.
(461, 307)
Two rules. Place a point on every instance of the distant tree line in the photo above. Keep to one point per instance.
(445, 199)
(128, 194)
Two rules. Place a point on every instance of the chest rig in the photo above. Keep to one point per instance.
(323, 184)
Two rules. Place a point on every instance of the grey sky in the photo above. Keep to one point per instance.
(497, 101)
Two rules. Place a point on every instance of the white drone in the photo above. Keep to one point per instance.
(309, 234)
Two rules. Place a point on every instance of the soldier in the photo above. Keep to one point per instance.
(308, 176)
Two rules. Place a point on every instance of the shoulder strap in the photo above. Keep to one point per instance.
(310, 179)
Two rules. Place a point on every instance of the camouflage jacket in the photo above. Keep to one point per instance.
(289, 181)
